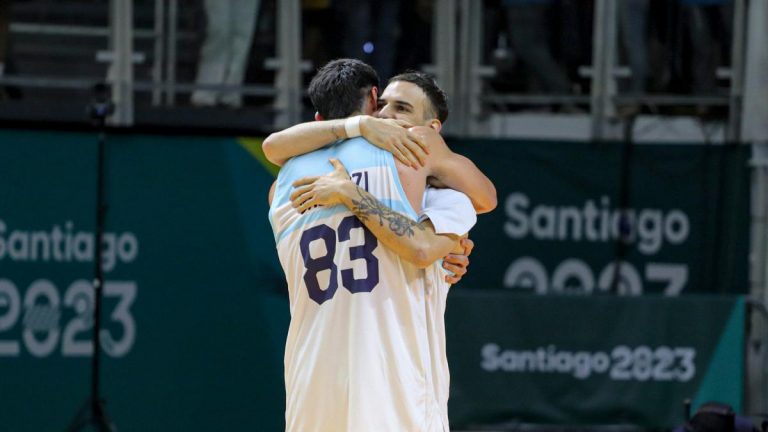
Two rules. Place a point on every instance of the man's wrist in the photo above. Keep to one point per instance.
(365, 125)
(337, 129)
(347, 191)
(352, 126)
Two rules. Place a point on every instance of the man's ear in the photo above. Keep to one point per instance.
(374, 98)
(370, 101)
(318, 117)
(435, 124)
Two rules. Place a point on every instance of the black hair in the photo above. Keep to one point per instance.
(426, 82)
(712, 417)
(339, 88)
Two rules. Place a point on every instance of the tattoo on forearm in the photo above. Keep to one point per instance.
(336, 131)
(368, 206)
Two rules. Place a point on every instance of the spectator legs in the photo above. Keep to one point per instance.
(243, 19)
(223, 57)
(634, 24)
(527, 25)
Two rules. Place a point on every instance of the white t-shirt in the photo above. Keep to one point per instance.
(450, 211)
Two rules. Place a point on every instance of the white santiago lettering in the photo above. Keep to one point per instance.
(650, 228)
(65, 245)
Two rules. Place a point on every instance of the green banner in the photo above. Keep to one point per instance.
(195, 312)
(558, 226)
(590, 360)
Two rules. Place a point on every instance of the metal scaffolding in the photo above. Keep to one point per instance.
(288, 78)
(121, 58)
(444, 37)
(603, 64)
(457, 46)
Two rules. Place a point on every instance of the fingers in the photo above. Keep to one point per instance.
(337, 165)
(452, 279)
(305, 181)
(468, 245)
(455, 259)
(399, 155)
(301, 201)
(404, 123)
(415, 150)
(306, 205)
(456, 269)
(299, 192)
(406, 151)
(457, 264)
(418, 139)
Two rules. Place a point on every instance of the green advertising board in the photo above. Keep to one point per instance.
(590, 360)
(195, 312)
(558, 225)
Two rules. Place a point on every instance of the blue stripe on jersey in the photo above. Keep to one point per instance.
(356, 154)
(310, 217)
(315, 215)
(406, 204)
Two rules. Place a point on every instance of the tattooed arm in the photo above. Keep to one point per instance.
(415, 242)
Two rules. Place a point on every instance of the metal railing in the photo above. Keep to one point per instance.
(457, 48)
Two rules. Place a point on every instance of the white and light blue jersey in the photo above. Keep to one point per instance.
(357, 355)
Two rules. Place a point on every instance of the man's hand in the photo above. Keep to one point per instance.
(323, 190)
(393, 136)
(458, 263)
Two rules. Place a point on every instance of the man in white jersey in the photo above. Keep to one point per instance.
(412, 98)
(445, 215)
(356, 359)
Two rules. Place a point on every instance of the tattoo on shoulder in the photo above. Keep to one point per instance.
(368, 206)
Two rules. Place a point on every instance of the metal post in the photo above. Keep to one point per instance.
(737, 72)
(603, 62)
(170, 66)
(159, 57)
(288, 77)
(474, 60)
(757, 338)
(754, 130)
(754, 124)
(444, 55)
(463, 88)
(121, 69)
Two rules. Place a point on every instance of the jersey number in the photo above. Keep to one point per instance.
(315, 265)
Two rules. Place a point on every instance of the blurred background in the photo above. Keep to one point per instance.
(624, 271)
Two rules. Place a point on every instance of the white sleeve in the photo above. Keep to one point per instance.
(450, 211)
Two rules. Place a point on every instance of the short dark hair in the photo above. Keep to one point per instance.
(426, 82)
(339, 88)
